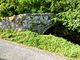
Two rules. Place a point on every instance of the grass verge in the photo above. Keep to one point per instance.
(46, 42)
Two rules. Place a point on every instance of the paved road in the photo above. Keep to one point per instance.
(11, 51)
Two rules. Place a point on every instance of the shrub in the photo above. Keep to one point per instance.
(70, 16)
(11, 7)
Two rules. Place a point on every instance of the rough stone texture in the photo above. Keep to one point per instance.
(35, 22)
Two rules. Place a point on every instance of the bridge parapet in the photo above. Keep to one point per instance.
(34, 22)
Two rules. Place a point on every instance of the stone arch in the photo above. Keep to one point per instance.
(60, 31)
(47, 28)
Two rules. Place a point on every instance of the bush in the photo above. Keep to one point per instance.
(11, 7)
(70, 16)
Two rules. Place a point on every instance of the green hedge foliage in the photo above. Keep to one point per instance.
(70, 16)
(11, 7)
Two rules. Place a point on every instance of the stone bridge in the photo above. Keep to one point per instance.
(38, 22)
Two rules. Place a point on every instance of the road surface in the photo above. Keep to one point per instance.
(12, 51)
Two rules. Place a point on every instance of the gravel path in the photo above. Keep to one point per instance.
(11, 51)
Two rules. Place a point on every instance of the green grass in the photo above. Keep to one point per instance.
(45, 42)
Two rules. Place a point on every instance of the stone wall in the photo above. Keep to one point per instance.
(35, 22)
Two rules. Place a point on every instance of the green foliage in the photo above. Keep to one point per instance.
(11, 7)
(70, 19)
(8, 7)
(46, 42)
(70, 15)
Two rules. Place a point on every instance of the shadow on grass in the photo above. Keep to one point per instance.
(72, 36)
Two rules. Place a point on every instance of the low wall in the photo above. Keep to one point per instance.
(35, 22)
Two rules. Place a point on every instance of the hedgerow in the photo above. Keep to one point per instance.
(11, 7)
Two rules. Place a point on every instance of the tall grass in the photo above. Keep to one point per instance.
(47, 42)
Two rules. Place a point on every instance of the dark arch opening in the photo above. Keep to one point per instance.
(61, 31)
